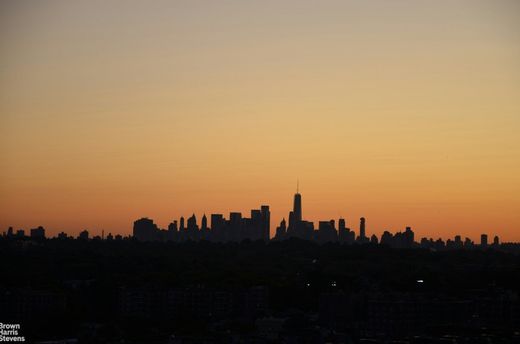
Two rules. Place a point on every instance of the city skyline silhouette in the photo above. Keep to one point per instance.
(260, 172)
(237, 228)
(405, 113)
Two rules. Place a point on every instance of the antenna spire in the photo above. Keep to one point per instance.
(297, 186)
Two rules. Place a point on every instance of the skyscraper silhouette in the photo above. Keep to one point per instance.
(341, 224)
(483, 240)
(297, 207)
(204, 223)
(362, 234)
(266, 223)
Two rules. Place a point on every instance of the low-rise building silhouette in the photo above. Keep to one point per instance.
(38, 233)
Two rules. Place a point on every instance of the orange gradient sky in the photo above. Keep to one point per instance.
(405, 112)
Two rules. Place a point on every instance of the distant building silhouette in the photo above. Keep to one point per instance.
(345, 235)
(362, 231)
(297, 207)
(458, 242)
(204, 223)
(326, 232)
(281, 231)
(483, 240)
(257, 227)
(83, 235)
(265, 223)
(237, 228)
(38, 233)
(181, 228)
(145, 230)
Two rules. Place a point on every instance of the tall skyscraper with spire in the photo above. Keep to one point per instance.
(299, 228)
(297, 206)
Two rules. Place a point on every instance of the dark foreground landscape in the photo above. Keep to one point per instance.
(125, 291)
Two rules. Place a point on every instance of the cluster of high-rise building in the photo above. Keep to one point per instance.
(326, 232)
(237, 228)
(257, 227)
(37, 233)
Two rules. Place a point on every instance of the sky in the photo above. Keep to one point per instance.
(404, 112)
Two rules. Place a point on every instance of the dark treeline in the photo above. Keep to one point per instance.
(277, 264)
(89, 276)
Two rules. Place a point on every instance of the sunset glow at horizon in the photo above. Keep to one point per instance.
(404, 112)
